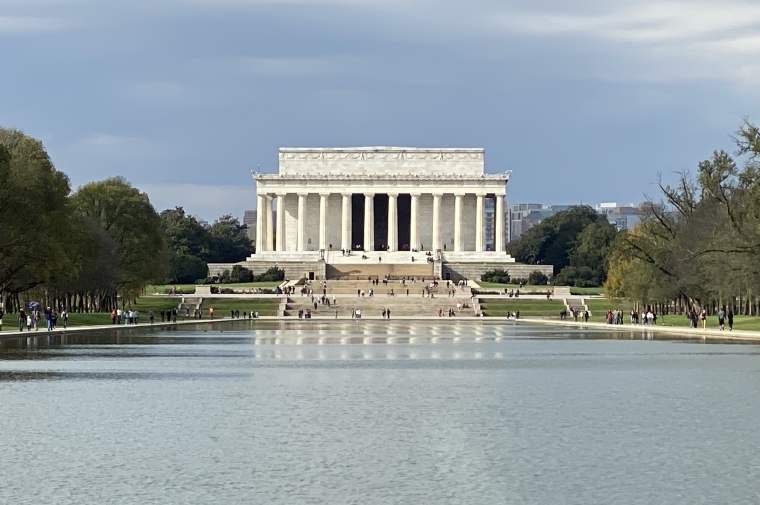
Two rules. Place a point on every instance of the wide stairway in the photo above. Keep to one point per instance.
(401, 304)
(352, 287)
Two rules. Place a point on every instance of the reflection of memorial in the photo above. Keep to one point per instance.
(388, 204)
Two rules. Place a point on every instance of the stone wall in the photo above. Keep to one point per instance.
(293, 270)
(475, 270)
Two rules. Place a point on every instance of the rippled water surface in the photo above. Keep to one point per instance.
(368, 413)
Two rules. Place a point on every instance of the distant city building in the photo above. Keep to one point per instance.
(524, 216)
(623, 216)
(490, 223)
(249, 220)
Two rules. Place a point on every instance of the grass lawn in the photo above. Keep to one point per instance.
(190, 288)
(538, 289)
(222, 308)
(527, 308)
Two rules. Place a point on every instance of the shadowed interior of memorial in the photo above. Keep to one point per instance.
(381, 222)
(357, 222)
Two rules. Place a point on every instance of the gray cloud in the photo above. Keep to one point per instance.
(584, 101)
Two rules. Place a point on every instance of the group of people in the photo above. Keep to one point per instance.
(32, 319)
(119, 316)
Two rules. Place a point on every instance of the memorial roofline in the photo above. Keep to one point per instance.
(383, 149)
(343, 177)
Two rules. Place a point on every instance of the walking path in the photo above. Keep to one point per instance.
(693, 333)
(690, 333)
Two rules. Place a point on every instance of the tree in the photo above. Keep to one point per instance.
(38, 230)
(128, 217)
(189, 246)
(588, 256)
(551, 241)
(701, 243)
(185, 235)
(230, 242)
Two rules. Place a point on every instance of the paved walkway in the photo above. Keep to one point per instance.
(691, 333)
(686, 332)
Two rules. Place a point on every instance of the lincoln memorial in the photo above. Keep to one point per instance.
(400, 211)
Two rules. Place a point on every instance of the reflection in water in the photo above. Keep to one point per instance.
(376, 412)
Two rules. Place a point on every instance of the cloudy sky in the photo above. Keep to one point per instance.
(585, 100)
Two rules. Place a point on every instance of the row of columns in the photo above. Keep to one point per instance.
(265, 237)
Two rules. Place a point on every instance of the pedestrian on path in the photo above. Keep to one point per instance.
(730, 317)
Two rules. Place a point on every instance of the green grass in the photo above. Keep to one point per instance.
(587, 291)
(222, 308)
(190, 288)
(527, 308)
(538, 289)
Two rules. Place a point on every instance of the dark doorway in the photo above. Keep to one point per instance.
(357, 222)
(404, 223)
(381, 222)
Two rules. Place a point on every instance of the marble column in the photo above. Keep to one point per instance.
(498, 245)
(323, 220)
(345, 235)
(369, 221)
(414, 230)
(301, 222)
(392, 222)
(437, 222)
(260, 220)
(458, 223)
(280, 233)
(270, 224)
(479, 227)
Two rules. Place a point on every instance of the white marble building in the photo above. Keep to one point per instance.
(400, 211)
(379, 198)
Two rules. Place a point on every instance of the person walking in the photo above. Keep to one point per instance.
(703, 316)
(721, 318)
(730, 317)
(21, 320)
(151, 316)
(65, 318)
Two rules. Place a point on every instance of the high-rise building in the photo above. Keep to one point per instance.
(249, 220)
(623, 216)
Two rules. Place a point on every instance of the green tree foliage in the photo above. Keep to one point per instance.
(185, 235)
(575, 242)
(550, 242)
(131, 221)
(186, 269)
(230, 242)
(38, 230)
(189, 245)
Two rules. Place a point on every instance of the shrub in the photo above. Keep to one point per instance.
(241, 274)
(271, 275)
(579, 277)
(537, 278)
(498, 276)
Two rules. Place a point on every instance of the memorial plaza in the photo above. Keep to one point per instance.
(350, 213)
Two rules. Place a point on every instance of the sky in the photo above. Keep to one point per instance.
(584, 100)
